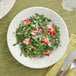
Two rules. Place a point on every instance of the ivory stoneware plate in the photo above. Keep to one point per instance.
(6, 6)
(37, 62)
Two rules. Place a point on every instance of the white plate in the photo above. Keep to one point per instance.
(5, 7)
(37, 62)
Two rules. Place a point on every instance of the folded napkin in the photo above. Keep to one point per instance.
(55, 68)
(72, 72)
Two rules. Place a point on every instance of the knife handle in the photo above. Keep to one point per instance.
(59, 73)
(65, 71)
(68, 67)
(62, 72)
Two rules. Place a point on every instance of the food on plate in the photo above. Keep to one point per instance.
(37, 36)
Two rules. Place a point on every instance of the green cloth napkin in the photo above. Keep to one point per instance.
(54, 70)
(8, 65)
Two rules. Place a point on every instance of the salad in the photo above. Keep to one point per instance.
(37, 36)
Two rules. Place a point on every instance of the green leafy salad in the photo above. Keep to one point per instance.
(37, 36)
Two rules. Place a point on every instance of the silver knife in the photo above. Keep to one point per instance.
(66, 62)
(73, 65)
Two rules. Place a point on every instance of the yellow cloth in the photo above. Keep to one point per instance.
(72, 72)
(55, 68)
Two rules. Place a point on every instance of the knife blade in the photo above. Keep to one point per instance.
(66, 62)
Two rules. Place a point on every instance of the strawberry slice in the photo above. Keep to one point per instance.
(49, 26)
(46, 40)
(25, 48)
(41, 30)
(34, 32)
(26, 21)
(47, 52)
(26, 41)
(52, 31)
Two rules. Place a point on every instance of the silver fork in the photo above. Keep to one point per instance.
(73, 64)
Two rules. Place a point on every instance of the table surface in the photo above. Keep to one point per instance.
(8, 65)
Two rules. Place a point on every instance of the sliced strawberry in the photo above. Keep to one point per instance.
(26, 21)
(52, 31)
(46, 40)
(41, 30)
(34, 32)
(23, 41)
(47, 52)
(49, 26)
(25, 48)
(26, 41)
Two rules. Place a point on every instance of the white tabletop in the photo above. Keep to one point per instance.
(5, 7)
